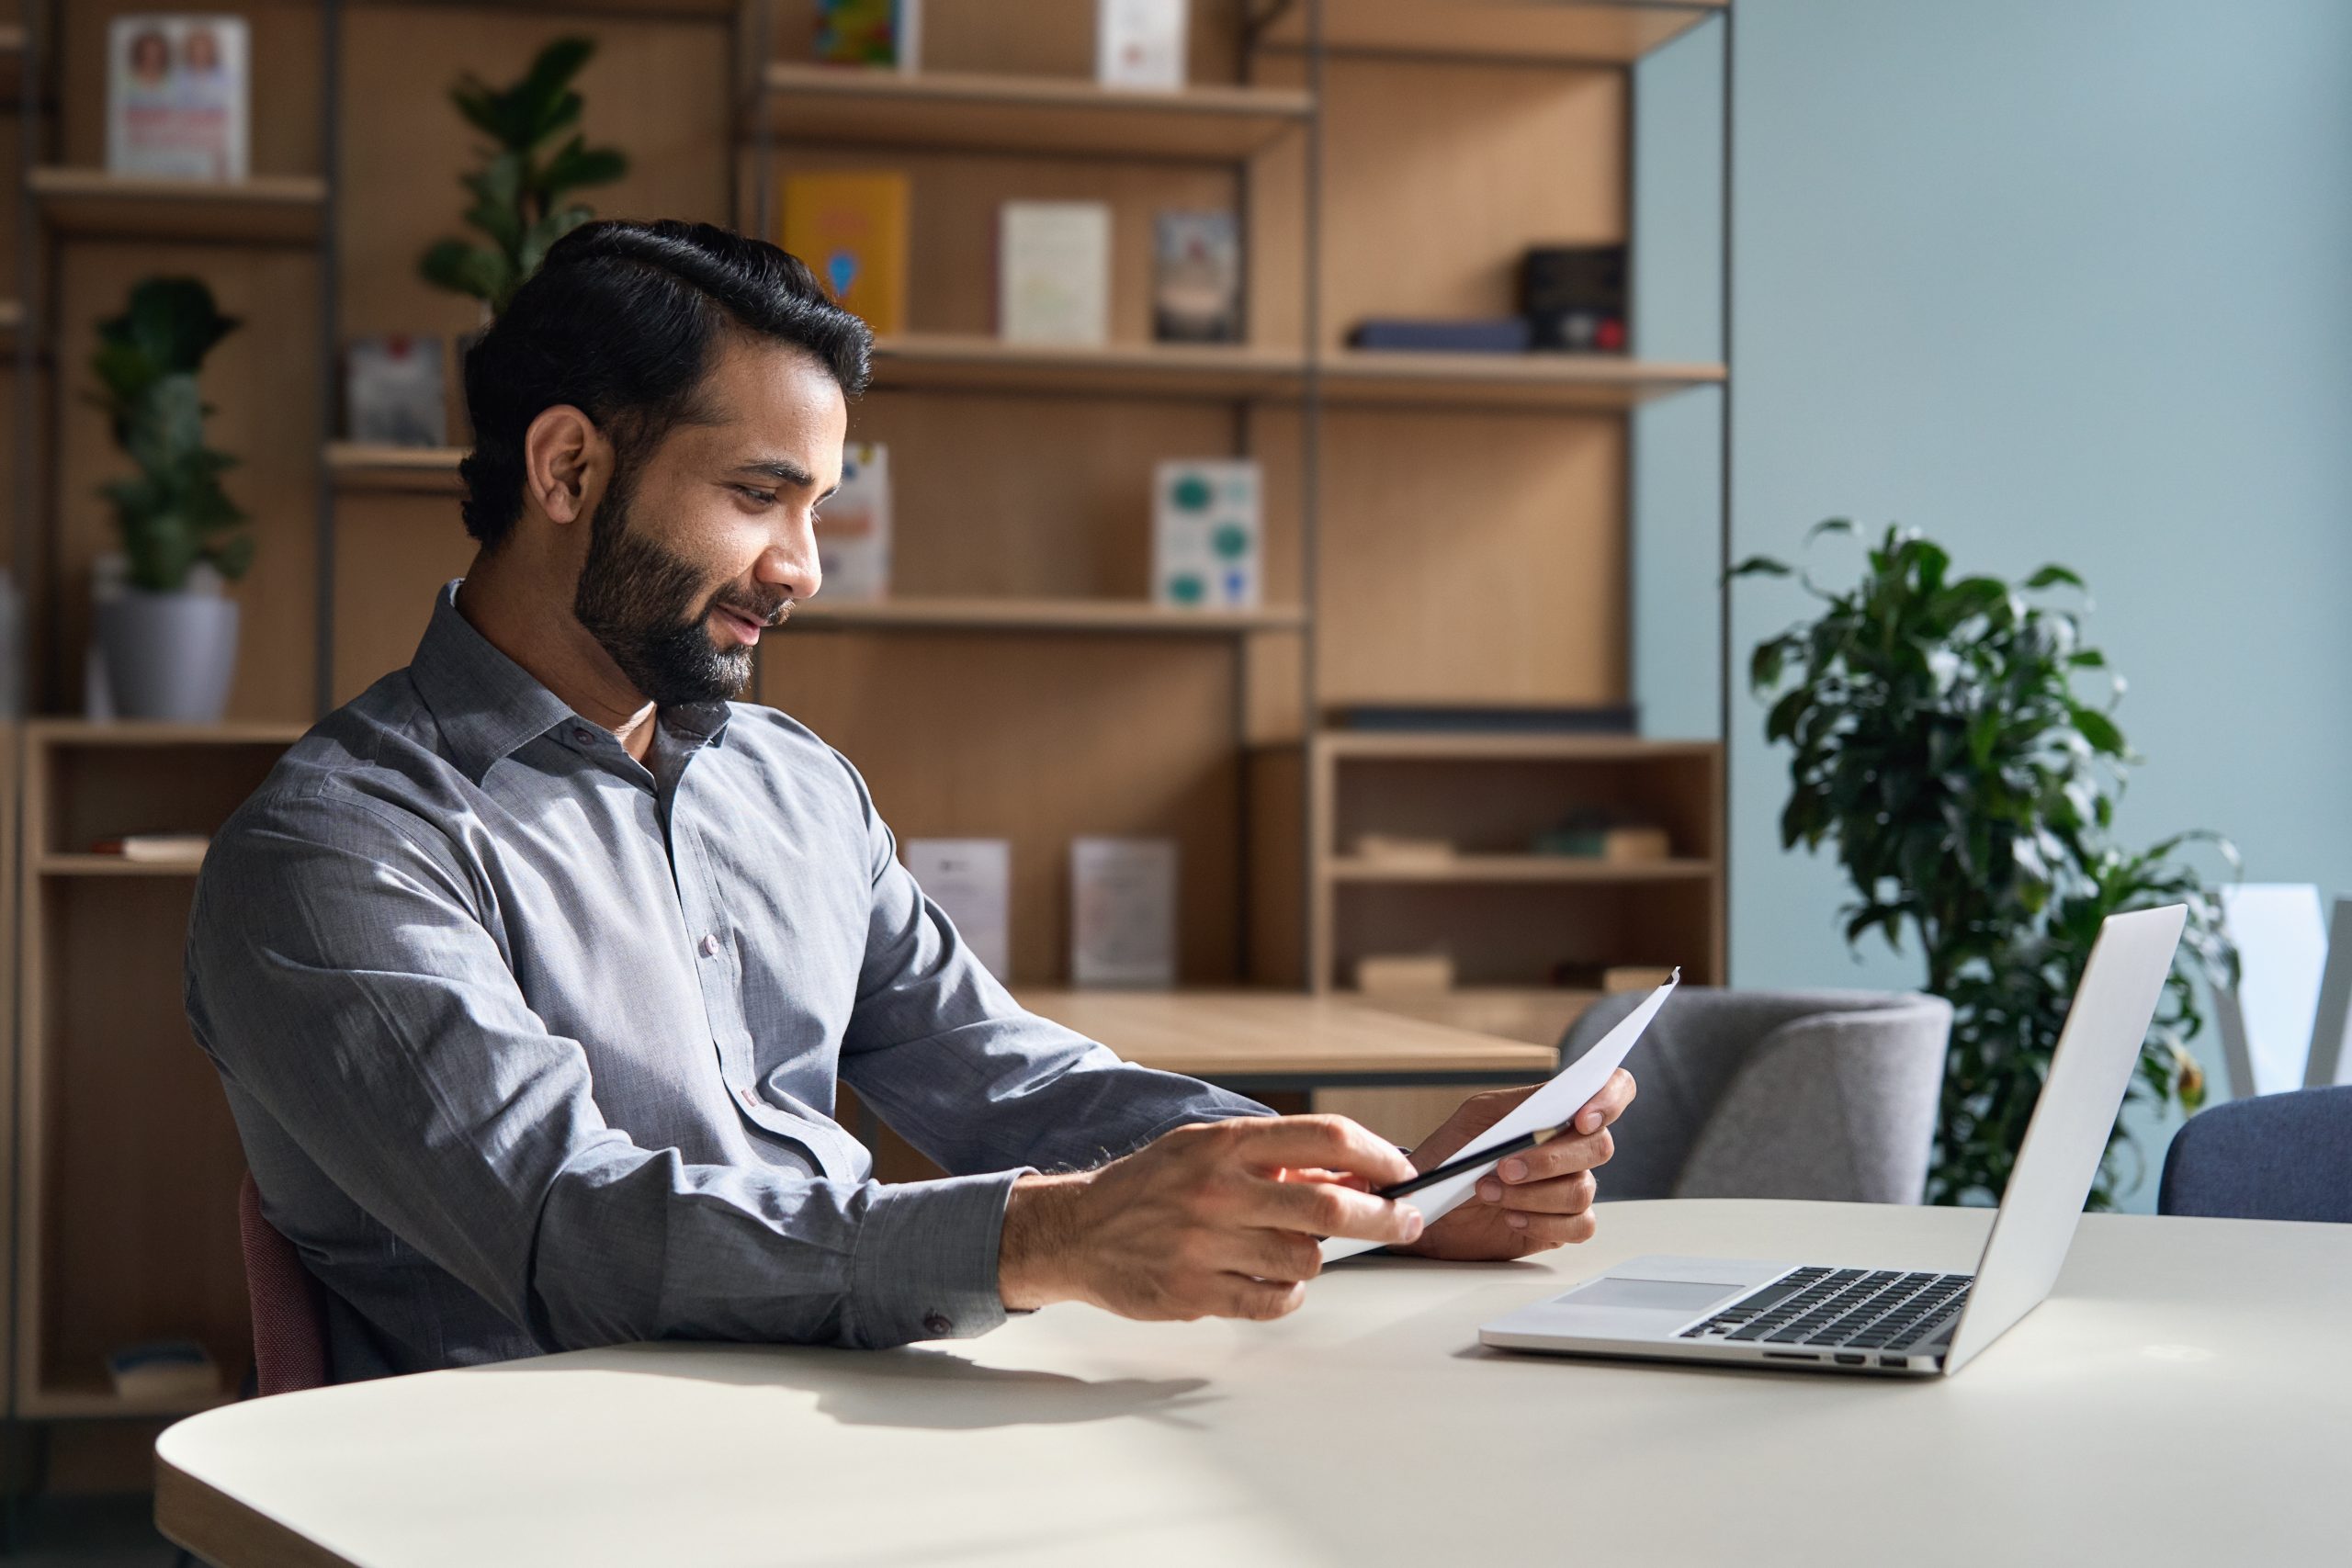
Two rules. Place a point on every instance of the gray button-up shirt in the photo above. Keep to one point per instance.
(532, 1047)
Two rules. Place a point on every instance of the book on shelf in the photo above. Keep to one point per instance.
(1399, 850)
(1505, 335)
(1206, 534)
(178, 96)
(392, 391)
(971, 881)
(854, 527)
(1139, 44)
(163, 1369)
(887, 33)
(1053, 273)
(1196, 277)
(155, 849)
(1123, 912)
(852, 230)
(1614, 844)
(1404, 974)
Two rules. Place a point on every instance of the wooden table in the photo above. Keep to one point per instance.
(2183, 1399)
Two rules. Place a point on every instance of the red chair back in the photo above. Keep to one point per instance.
(290, 1313)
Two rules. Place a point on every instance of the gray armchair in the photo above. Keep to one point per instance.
(1776, 1094)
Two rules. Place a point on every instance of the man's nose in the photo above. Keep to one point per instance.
(789, 564)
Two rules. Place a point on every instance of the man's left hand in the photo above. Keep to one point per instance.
(1537, 1199)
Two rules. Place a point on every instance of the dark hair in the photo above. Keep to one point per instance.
(620, 321)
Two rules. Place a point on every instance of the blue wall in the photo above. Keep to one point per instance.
(2050, 281)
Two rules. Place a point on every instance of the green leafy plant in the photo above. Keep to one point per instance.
(172, 512)
(519, 195)
(1941, 744)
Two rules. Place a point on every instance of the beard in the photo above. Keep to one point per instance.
(648, 608)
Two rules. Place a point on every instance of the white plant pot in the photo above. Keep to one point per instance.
(169, 655)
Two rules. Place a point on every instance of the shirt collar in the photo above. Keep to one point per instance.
(487, 704)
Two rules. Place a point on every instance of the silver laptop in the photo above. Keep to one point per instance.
(1894, 1322)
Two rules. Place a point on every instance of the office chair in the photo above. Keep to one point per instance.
(1826, 1095)
(290, 1313)
(2276, 1156)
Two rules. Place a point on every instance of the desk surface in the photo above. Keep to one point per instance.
(2185, 1399)
(1224, 1034)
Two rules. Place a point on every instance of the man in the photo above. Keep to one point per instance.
(531, 973)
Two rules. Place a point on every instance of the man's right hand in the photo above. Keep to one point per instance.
(1217, 1220)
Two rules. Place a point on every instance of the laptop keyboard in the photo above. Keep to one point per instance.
(1852, 1309)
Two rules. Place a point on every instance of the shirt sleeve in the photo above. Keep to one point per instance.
(939, 1049)
(350, 979)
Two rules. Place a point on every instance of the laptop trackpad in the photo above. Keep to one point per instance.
(1683, 1299)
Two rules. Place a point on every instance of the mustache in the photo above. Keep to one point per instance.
(770, 610)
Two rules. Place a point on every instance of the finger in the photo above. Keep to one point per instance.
(1236, 1295)
(1566, 1195)
(1561, 1156)
(1328, 1142)
(1536, 1232)
(1339, 1177)
(1326, 1208)
(1283, 1256)
(1609, 1104)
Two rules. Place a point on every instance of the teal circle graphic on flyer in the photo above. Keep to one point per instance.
(1231, 541)
(1186, 589)
(1191, 492)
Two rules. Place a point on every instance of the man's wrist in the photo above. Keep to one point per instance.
(1038, 1245)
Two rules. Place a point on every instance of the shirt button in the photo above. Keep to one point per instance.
(749, 1099)
(937, 1323)
(710, 944)
(583, 736)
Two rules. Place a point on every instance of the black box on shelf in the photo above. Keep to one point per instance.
(1574, 296)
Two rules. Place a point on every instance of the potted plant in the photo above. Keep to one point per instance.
(170, 638)
(518, 195)
(1941, 744)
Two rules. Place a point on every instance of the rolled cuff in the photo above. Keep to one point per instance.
(925, 1264)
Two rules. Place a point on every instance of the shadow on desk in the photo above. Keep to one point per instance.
(936, 1390)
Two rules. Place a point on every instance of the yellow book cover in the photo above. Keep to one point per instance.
(852, 230)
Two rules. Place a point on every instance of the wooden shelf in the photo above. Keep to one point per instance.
(12, 62)
(355, 466)
(1518, 868)
(12, 317)
(111, 865)
(923, 362)
(680, 10)
(1508, 748)
(268, 209)
(1561, 31)
(55, 732)
(1106, 615)
(849, 104)
(1596, 381)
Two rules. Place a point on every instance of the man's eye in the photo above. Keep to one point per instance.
(765, 498)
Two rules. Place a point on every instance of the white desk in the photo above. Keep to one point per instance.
(2154, 1413)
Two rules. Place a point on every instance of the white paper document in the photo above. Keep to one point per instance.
(1548, 1107)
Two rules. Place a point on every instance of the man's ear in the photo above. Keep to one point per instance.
(566, 460)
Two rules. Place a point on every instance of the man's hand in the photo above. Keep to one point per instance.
(1536, 1200)
(1218, 1220)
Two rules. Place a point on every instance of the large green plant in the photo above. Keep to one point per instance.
(519, 195)
(172, 512)
(1942, 745)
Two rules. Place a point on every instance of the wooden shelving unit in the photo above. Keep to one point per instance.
(268, 209)
(125, 1212)
(1440, 528)
(1518, 868)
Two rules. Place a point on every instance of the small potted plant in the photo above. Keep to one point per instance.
(170, 638)
(519, 195)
